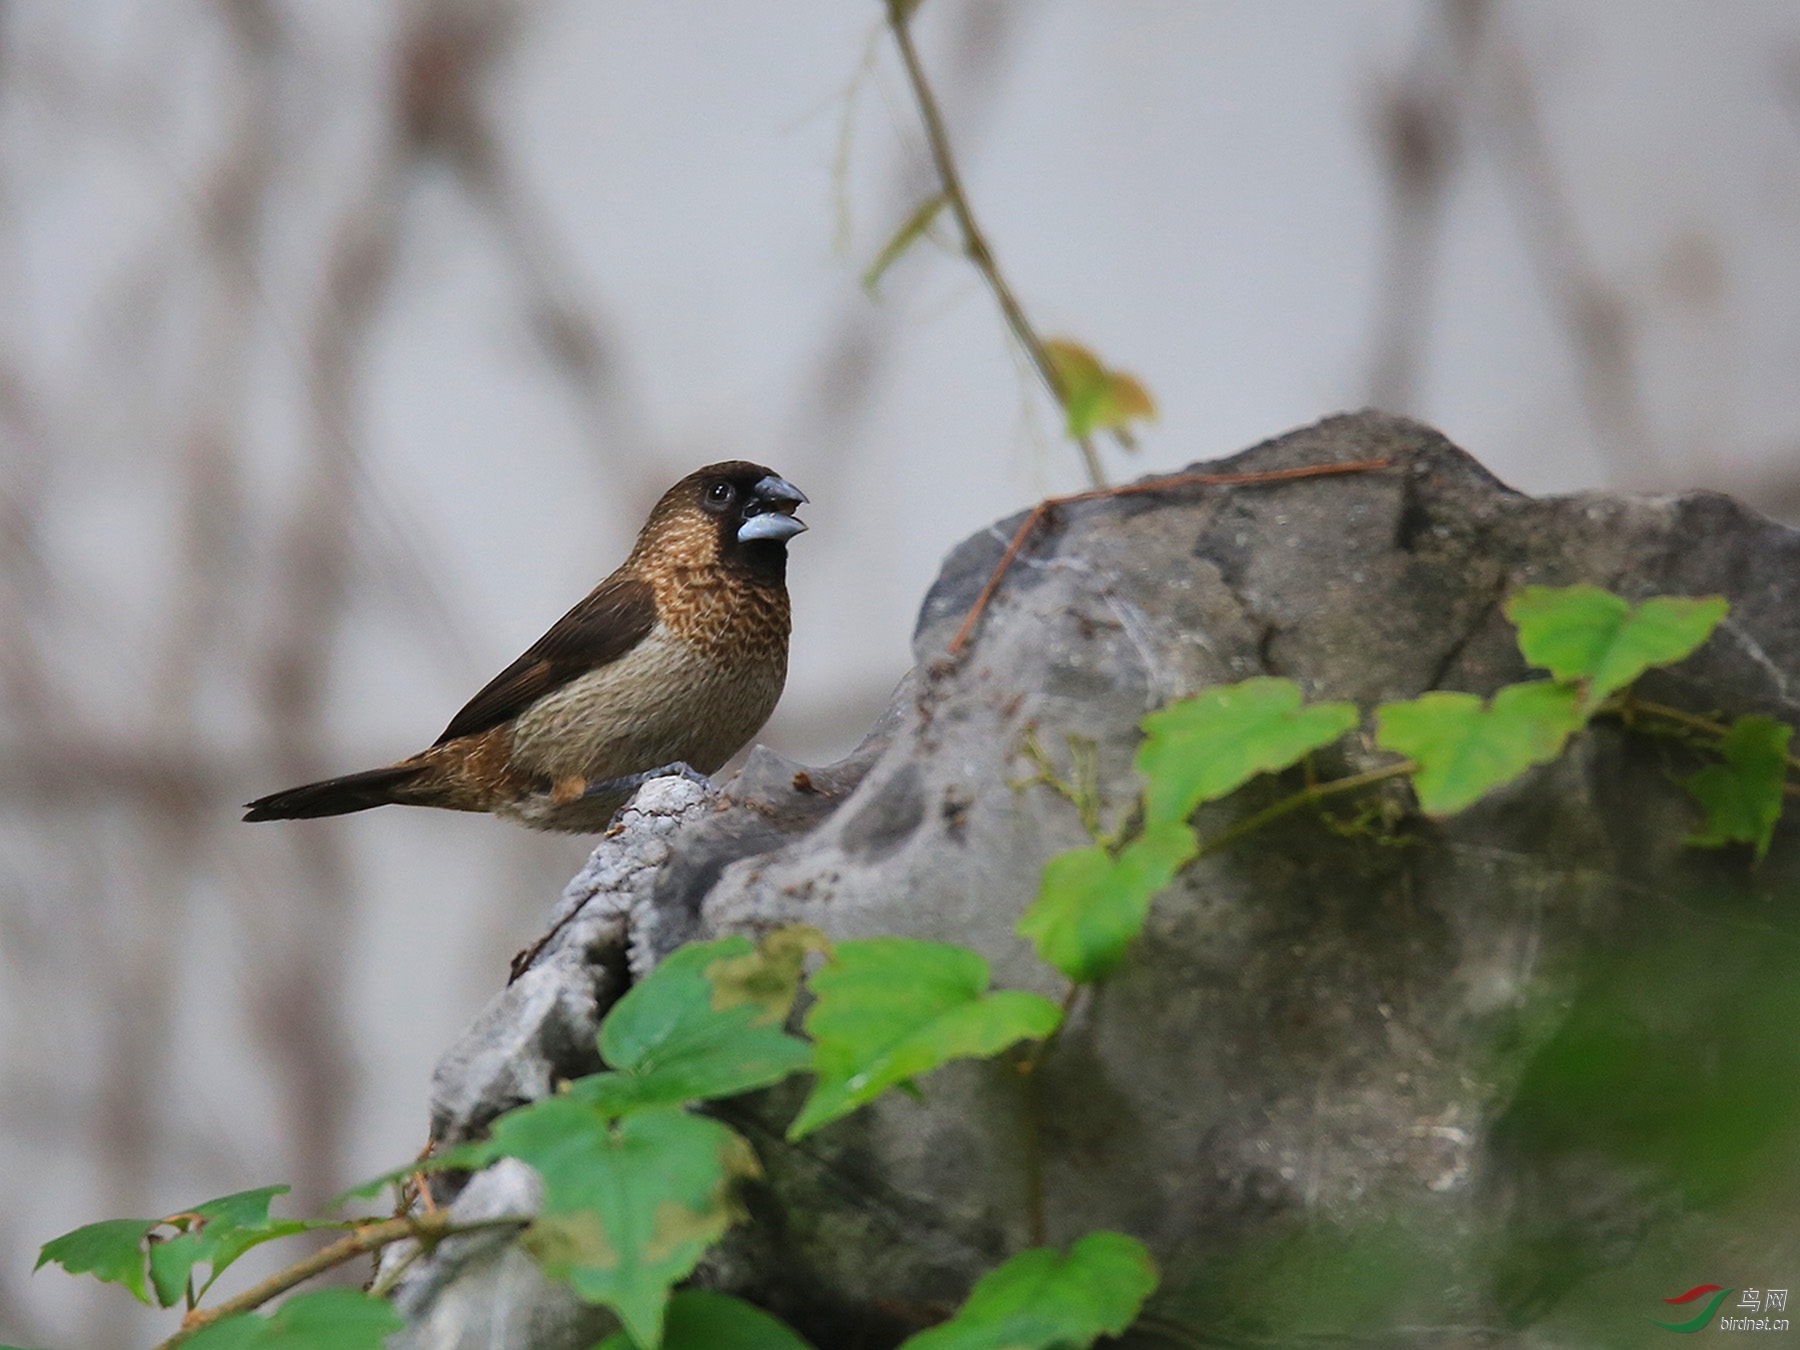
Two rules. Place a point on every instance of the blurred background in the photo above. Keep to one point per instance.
(344, 345)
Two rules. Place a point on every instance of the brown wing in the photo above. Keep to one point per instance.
(601, 629)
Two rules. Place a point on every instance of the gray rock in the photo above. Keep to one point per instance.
(541, 1028)
(1506, 1078)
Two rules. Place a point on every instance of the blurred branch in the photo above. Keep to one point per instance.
(427, 1229)
(299, 1011)
(1594, 315)
(975, 244)
(166, 421)
(445, 56)
(58, 773)
(1787, 83)
(1418, 128)
(24, 682)
(48, 1111)
(1468, 73)
(230, 220)
(857, 344)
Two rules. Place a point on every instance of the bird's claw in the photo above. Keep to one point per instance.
(631, 782)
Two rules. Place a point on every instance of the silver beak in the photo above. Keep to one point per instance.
(780, 493)
(776, 500)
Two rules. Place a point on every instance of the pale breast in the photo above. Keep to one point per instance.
(664, 701)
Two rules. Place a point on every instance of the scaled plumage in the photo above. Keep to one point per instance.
(676, 659)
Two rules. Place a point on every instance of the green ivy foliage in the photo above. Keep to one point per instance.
(155, 1258)
(1093, 901)
(322, 1319)
(709, 1025)
(638, 1183)
(1601, 641)
(631, 1203)
(699, 1319)
(1742, 794)
(1206, 747)
(1043, 1298)
(1455, 749)
(1463, 748)
(890, 1009)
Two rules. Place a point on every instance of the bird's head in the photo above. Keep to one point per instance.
(735, 514)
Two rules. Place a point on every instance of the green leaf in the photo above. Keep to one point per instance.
(706, 1022)
(1585, 633)
(889, 1009)
(702, 1320)
(1093, 397)
(1207, 746)
(910, 232)
(630, 1204)
(217, 1232)
(239, 1331)
(1042, 1298)
(1091, 905)
(112, 1250)
(1742, 797)
(1465, 748)
(322, 1319)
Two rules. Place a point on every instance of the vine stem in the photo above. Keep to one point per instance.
(1627, 703)
(1033, 1145)
(976, 247)
(1033, 1148)
(1311, 793)
(428, 1229)
(975, 243)
(1037, 514)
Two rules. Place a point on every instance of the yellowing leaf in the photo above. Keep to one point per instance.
(706, 1022)
(767, 977)
(911, 230)
(1129, 399)
(1095, 398)
(630, 1204)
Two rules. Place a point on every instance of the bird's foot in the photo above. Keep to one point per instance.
(631, 782)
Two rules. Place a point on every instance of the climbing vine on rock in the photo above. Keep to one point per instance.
(1454, 748)
(638, 1183)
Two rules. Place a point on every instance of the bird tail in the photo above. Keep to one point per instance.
(336, 796)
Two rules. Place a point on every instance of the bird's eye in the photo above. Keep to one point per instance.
(719, 495)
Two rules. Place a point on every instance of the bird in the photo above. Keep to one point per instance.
(668, 666)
